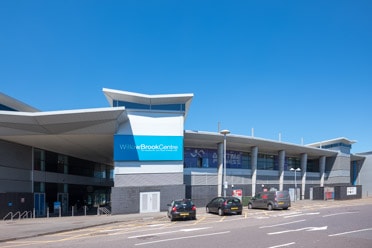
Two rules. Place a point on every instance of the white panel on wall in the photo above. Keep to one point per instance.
(153, 124)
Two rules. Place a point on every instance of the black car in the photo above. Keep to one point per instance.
(224, 205)
(181, 209)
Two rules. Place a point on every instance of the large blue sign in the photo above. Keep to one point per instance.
(147, 148)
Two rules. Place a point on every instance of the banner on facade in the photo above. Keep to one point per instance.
(148, 148)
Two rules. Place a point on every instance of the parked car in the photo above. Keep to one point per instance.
(270, 200)
(181, 209)
(224, 205)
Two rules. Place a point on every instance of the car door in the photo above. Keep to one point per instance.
(257, 202)
(264, 199)
(213, 205)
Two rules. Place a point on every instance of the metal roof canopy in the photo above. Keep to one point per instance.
(332, 141)
(245, 143)
(86, 133)
(126, 96)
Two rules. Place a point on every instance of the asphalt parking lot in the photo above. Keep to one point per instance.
(32, 227)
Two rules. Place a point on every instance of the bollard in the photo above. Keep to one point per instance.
(72, 210)
(60, 211)
(85, 210)
(33, 213)
(47, 212)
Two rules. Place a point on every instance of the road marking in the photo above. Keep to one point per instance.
(355, 231)
(308, 229)
(288, 223)
(223, 218)
(179, 238)
(288, 244)
(329, 215)
(199, 220)
(155, 225)
(296, 215)
(162, 233)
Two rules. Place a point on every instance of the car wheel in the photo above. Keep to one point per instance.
(239, 213)
(269, 207)
(220, 212)
(250, 206)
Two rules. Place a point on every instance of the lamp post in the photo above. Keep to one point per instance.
(295, 181)
(224, 132)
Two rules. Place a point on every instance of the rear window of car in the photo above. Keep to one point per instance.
(183, 203)
(282, 194)
(233, 200)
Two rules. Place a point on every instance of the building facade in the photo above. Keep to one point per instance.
(135, 156)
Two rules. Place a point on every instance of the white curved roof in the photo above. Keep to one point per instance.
(85, 133)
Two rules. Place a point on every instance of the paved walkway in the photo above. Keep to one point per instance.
(24, 228)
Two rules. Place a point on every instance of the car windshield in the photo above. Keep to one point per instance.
(233, 200)
(183, 203)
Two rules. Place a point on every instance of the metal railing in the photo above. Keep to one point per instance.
(32, 214)
(103, 210)
(23, 215)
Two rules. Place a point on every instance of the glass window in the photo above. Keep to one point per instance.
(53, 162)
(208, 158)
(200, 158)
(246, 160)
(265, 162)
(39, 160)
(313, 165)
(293, 163)
(6, 108)
(132, 105)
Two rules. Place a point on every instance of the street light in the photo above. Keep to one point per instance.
(295, 170)
(224, 132)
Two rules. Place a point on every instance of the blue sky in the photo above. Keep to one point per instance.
(299, 68)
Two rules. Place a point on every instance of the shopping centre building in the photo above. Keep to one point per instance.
(135, 156)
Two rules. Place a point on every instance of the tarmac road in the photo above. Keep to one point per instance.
(32, 227)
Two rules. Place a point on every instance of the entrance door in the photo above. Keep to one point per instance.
(63, 199)
(149, 202)
(39, 204)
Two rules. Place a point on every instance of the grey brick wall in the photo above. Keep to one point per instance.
(126, 200)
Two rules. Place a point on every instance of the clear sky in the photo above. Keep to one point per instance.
(301, 69)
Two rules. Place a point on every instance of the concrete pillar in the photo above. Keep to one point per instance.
(322, 162)
(220, 169)
(303, 174)
(254, 155)
(281, 168)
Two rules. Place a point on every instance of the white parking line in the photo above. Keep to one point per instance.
(162, 233)
(296, 215)
(355, 231)
(283, 245)
(288, 223)
(179, 238)
(329, 215)
(307, 229)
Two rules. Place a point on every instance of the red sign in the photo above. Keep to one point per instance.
(237, 192)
